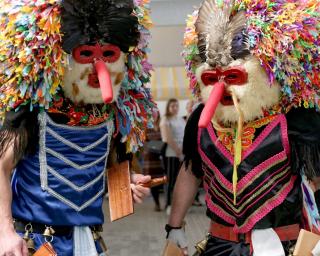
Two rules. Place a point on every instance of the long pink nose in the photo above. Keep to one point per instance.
(211, 105)
(104, 81)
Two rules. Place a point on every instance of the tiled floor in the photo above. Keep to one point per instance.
(142, 234)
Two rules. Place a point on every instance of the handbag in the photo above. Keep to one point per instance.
(156, 147)
(164, 149)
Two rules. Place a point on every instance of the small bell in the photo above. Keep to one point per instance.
(47, 231)
(31, 246)
(201, 246)
(52, 231)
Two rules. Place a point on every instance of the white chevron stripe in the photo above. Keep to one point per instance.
(71, 184)
(73, 145)
(72, 205)
(73, 164)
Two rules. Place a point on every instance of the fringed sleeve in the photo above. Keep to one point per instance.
(304, 137)
(20, 129)
(190, 143)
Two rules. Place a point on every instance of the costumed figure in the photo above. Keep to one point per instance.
(255, 139)
(72, 94)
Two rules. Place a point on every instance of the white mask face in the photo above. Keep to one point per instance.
(76, 85)
(254, 96)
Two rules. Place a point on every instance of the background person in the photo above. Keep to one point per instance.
(152, 158)
(172, 129)
(189, 109)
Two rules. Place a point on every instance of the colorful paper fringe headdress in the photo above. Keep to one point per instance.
(35, 36)
(284, 35)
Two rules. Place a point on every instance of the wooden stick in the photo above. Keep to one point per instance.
(120, 194)
(155, 182)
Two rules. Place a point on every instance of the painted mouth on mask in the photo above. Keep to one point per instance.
(93, 80)
(227, 99)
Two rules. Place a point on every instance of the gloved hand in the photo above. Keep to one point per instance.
(178, 236)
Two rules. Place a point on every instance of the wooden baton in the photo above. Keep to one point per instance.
(155, 182)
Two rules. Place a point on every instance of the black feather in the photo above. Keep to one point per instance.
(239, 46)
(108, 21)
(202, 51)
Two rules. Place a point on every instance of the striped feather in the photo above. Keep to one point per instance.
(216, 30)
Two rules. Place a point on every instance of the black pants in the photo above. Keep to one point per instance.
(155, 192)
(172, 165)
(219, 247)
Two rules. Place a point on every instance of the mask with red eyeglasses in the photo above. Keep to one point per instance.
(220, 80)
(98, 55)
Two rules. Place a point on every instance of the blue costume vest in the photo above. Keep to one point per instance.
(64, 182)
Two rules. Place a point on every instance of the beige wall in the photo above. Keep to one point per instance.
(166, 46)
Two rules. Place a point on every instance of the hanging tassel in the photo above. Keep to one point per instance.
(237, 161)
(237, 147)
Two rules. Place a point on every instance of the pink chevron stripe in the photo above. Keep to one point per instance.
(284, 134)
(253, 191)
(260, 168)
(219, 212)
(254, 202)
(276, 201)
(263, 211)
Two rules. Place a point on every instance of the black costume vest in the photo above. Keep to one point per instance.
(265, 177)
(269, 185)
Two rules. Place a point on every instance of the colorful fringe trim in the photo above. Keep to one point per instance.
(32, 61)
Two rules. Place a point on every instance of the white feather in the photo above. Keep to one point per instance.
(216, 30)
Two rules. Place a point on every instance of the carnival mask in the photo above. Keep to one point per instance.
(95, 74)
(243, 86)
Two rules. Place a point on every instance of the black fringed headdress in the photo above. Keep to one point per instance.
(91, 21)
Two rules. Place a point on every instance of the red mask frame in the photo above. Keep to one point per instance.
(232, 76)
(86, 54)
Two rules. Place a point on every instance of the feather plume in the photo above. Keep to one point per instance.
(108, 21)
(221, 35)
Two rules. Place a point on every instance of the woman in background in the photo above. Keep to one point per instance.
(152, 158)
(189, 108)
(172, 129)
